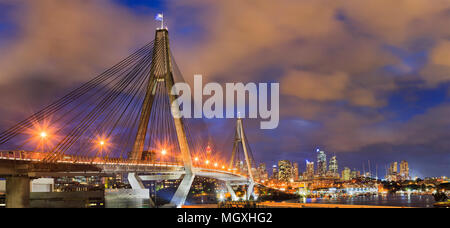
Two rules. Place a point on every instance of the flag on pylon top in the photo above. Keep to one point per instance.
(159, 17)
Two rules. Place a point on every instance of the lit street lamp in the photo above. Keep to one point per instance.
(43, 137)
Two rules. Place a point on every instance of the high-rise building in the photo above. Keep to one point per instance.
(393, 168)
(309, 174)
(346, 174)
(321, 163)
(404, 170)
(333, 167)
(284, 170)
(262, 172)
(354, 174)
(274, 172)
(392, 173)
(295, 171)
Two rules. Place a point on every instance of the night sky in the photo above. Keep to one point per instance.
(364, 80)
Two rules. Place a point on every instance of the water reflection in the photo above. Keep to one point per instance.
(406, 200)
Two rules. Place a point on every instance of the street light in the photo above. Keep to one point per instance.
(102, 143)
(163, 152)
(43, 134)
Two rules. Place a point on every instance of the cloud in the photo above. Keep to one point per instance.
(438, 69)
(69, 39)
(314, 86)
(329, 56)
(62, 43)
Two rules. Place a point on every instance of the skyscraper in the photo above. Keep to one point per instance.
(295, 171)
(404, 170)
(274, 172)
(321, 163)
(393, 168)
(284, 170)
(392, 174)
(262, 172)
(346, 174)
(354, 174)
(333, 167)
(309, 174)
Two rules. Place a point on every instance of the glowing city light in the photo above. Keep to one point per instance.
(207, 162)
(215, 164)
(43, 134)
(196, 159)
(163, 152)
(102, 143)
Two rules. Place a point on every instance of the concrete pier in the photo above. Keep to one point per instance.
(18, 192)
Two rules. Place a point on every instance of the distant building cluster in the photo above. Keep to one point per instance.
(395, 174)
(288, 171)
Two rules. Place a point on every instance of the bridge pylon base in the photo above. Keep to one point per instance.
(139, 189)
(231, 191)
(251, 190)
(179, 198)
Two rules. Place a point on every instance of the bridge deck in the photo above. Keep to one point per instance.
(33, 164)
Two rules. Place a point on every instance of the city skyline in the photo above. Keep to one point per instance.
(375, 170)
(369, 94)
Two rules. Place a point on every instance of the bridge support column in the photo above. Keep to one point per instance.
(18, 192)
(231, 191)
(179, 198)
(250, 190)
(139, 189)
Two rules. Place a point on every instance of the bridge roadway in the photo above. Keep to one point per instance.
(18, 167)
(31, 164)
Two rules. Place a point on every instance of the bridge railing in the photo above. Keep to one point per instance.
(39, 156)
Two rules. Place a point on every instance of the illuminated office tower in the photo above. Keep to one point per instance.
(392, 173)
(262, 172)
(333, 167)
(295, 171)
(393, 168)
(274, 172)
(284, 170)
(321, 163)
(309, 174)
(346, 174)
(404, 170)
(354, 174)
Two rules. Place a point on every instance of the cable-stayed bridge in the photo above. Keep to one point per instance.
(121, 122)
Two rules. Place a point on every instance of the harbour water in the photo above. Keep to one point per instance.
(423, 201)
(403, 200)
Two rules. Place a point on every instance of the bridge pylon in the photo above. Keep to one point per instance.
(161, 71)
(158, 74)
(240, 140)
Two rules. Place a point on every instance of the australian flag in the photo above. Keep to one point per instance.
(159, 17)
